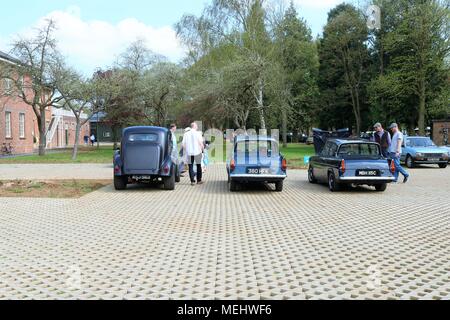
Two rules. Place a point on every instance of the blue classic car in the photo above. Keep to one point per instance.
(256, 159)
(146, 155)
(343, 162)
(422, 150)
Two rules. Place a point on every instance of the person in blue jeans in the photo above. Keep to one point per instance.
(395, 152)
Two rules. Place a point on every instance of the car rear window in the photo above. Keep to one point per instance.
(143, 137)
(253, 147)
(359, 149)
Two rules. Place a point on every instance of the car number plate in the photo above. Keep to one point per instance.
(258, 171)
(433, 159)
(368, 173)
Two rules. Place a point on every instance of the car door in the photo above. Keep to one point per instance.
(321, 168)
(330, 160)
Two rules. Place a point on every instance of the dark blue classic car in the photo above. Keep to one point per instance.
(343, 162)
(256, 159)
(146, 155)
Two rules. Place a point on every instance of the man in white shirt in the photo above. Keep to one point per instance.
(193, 147)
(396, 152)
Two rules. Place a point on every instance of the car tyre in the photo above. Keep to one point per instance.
(410, 162)
(120, 183)
(311, 177)
(169, 182)
(443, 165)
(234, 186)
(381, 187)
(279, 186)
(333, 185)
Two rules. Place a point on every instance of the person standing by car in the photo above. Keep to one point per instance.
(383, 138)
(396, 152)
(193, 147)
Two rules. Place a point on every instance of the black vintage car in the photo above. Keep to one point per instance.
(146, 155)
(342, 161)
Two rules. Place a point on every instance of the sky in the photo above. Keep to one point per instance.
(93, 33)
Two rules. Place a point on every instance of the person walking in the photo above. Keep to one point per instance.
(396, 152)
(383, 138)
(193, 147)
(93, 139)
(173, 129)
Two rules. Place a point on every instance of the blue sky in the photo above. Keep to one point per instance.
(92, 33)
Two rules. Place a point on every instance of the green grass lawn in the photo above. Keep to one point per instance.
(85, 155)
(294, 153)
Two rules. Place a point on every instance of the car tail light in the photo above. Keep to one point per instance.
(392, 166)
(166, 169)
(343, 166)
(116, 169)
(232, 165)
(284, 165)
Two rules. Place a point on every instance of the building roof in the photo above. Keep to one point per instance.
(6, 57)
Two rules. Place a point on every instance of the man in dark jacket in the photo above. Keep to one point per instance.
(383, 138)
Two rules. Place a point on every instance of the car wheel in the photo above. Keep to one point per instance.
(443, 165)
(279, 186)
(333, 185)
(381, 187)
(410, 162)
(120, 183)
(169, 182)
(234, 186)
(311, 177)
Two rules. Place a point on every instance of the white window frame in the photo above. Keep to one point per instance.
(22, 125)
(8, 127)
(8, 86)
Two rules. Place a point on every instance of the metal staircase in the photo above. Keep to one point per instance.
(56, 119)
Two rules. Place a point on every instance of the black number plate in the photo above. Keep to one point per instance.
(367, 173)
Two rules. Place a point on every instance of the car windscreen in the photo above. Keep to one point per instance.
(143, 137)
(359, 150)
(419, 142)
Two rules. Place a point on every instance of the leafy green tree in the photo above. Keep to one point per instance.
(344, 62)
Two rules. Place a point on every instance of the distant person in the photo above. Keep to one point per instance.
(173, 129)
(396, 152)
(383, 138)
(93, 139)
(86, 140)
(193, 147)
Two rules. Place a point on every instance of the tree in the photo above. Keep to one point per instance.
(231, 35)
(79, 97)
(299, 58)
(161, 91)
(415, 50)
(344, 44)
(39, 61)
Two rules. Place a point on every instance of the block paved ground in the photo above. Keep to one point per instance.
(204, 242)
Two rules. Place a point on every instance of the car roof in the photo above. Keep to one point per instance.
(242, 138)
(148, 129)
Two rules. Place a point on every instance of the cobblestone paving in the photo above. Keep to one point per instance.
(55, 171)
(204, 242)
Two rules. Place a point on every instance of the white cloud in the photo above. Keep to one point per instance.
(95, 43)
(318, 4)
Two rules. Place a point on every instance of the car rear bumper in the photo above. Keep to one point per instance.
(261, 177)
(430, 162)
(366, 180)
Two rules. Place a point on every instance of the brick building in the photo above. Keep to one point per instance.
(441, 131)
(18, 122)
